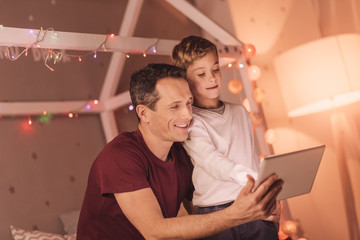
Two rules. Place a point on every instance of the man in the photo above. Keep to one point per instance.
(139, 180)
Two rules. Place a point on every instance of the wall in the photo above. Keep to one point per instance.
(275, 27)
(44, 167)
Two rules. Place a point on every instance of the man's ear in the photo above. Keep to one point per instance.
(142, 112)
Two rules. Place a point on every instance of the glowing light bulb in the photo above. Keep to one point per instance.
(44, 113)
(153, 49)
(144, 54)
(80, 59)
(241, 65)
(259, 95)
(235, 86)
(254, 72)
(249, 50)
(131, 107)
(112, 35)
(54, 36)
(29, 121)
(96, 101)
(88, 106)
(271, 136)
(229, 65)
(71, 115)
(127, 56)
(95, 55)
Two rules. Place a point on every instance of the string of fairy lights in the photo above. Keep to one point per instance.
(54, 56)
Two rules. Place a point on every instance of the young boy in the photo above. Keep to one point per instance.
(220, 142)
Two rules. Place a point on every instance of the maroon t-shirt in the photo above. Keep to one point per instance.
(126, 164)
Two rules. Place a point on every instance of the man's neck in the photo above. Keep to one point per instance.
(159, 148)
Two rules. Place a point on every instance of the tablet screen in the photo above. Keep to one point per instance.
(297, 169)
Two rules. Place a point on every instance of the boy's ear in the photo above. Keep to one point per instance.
(142, 112)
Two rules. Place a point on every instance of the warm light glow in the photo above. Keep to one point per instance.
(259, 95)
(246, 104)
(254, 72)
(271, 136)
(235, 86)
(112, 35)
(320, 75)
(44, 112)
(326, 104)
(249, 50)
(229, 65)
(96, 101)
(71, 115)
(144, 55)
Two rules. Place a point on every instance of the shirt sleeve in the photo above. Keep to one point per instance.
(204, 154)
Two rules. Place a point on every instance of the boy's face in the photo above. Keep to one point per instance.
(204, 78)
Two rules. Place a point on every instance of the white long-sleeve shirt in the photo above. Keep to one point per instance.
(221, 147)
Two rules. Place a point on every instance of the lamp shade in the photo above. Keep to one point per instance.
(320, 75)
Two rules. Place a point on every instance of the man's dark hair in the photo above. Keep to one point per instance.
(143, 82)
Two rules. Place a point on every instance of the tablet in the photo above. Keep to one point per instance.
(297, 169)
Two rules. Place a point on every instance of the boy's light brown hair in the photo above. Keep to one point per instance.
(191, 49)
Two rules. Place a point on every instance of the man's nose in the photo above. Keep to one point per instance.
(187, 113)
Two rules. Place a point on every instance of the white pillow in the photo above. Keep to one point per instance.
(70, 221)
(21, 234)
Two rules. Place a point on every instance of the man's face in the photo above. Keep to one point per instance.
(172, 115)
(205, 78)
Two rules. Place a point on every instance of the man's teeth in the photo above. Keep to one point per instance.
(181, 125)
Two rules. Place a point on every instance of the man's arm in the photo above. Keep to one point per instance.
(143, 211)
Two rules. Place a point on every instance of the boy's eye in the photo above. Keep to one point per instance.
(216, 70)
(174, 107)
(201, 74)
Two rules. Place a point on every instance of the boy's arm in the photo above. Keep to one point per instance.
(143, 211)
(204, 153)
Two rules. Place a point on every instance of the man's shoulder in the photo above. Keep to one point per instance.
(126, 142)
